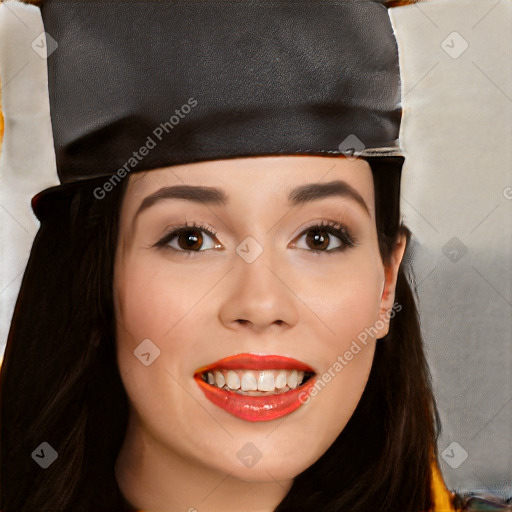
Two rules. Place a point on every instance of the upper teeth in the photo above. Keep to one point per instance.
(255, 380)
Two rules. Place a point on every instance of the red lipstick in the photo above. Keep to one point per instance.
(268, 405)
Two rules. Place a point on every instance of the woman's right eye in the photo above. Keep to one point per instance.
(189, 238)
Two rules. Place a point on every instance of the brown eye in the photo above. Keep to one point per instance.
(187, 239)
(190, 240)
(317, 239)
(327, 238)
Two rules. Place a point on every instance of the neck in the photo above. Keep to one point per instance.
(154, 478)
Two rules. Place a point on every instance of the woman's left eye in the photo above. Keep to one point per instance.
(326, 237)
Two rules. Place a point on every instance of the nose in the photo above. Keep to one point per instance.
(259, 297)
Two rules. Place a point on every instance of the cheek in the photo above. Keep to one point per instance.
(148, 307)
(149, 304)
(156, 300)
(346, 305)
(345, 296)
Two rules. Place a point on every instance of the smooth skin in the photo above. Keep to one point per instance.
(308, 295)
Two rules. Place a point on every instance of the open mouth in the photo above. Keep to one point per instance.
(257, 383)
(254, 387)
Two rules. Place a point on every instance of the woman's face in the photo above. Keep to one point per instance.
(279, 264)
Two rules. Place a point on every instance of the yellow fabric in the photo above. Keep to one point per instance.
(442, 496)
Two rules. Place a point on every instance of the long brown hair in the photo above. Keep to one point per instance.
(59, 381)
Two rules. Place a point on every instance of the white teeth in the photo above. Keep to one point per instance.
(266, 381)
(263, 381)
(249, 382)
(232, 380)
(292, 379)
(281, 379)
(219, 379)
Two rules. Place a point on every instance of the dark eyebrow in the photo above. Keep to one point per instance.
(212, 195)
(205, 195)
(313, 191)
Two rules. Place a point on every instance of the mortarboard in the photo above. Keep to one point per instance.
(144, 84)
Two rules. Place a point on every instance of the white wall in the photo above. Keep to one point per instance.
(456, 60)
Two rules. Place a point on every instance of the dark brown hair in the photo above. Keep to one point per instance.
(59, 382)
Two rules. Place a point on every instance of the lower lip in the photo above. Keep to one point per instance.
(255, 408)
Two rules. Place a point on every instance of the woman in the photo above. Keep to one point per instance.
(187, 347)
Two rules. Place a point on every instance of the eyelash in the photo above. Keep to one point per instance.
(332, 228)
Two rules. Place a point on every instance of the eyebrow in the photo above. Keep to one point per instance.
(197, 194)
(215, 196)
(313, 191)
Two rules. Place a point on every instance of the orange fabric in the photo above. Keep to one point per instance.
(443, 498)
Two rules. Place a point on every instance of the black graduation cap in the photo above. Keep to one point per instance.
(144, 84)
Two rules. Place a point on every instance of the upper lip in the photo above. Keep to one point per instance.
(257, 362)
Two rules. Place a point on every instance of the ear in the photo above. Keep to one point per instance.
(387, 300)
